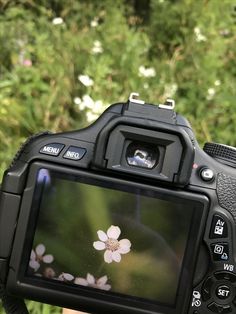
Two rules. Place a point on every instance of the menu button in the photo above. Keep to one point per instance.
(53, 149)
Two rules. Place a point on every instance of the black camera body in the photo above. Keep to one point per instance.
(174, 202)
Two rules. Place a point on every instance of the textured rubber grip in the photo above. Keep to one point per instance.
(24, 145)
(226, 192)
(226, 154)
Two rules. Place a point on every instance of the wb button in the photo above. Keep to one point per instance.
(74, 153)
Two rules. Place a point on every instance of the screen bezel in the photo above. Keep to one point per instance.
(69, 296)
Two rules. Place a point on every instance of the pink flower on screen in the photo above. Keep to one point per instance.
(112, 246)
(37, 257)
(90, 281)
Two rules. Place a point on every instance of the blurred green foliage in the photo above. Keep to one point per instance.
(160, 48)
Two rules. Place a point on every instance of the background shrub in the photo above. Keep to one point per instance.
(62, 62)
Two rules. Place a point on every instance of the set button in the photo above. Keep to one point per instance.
(219, 228)
(223, 292)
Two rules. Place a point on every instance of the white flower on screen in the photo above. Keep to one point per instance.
(37, 257)
(109, 242)
(146, 72)
(57, 21)
(97, 47)
(65, 277)
(90, 281)
(85, 80)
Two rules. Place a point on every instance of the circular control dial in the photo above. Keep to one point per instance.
(223, 153)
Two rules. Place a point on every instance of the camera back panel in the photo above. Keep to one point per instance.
(135, 154)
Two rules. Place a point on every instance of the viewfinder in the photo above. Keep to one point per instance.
(142, 155)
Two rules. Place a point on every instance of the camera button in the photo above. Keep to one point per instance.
(217, 308)
(52, 149)
(74, 153)
(206, 289)
(219, 228)
(223, 292)
(228, 276)
(220, 251)
(207, 174)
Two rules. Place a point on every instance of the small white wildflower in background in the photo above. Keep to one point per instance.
(90, 281)
(109, 242)
(65, 277)
(77, 100)
(199, 36)
(37, 256)
(210, 93)
(145, 86)
(57, 21)
(97, 47)
(225, 32)
(95, 108)
(87, 102)
(217, 83)
(91, 117)
(94, 22)
(146, 72)
(170, 90)
(98, 106)
(85, 80)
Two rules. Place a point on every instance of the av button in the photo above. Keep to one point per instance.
(223, 292)
(52, 149)
(75, 153)
(219, 228)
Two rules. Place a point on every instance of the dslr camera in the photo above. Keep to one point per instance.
(128, 215)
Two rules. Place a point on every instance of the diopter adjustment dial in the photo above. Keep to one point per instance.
(223, 153)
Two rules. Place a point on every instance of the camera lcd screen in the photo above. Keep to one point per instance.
(110, 238)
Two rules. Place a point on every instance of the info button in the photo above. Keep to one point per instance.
(74, 153)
